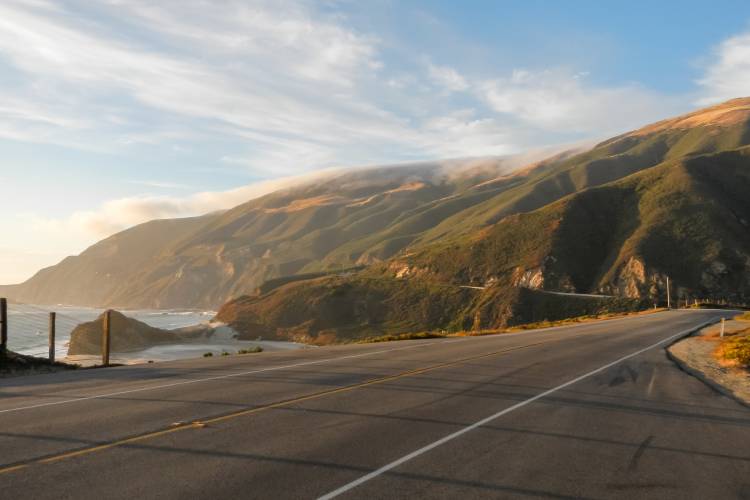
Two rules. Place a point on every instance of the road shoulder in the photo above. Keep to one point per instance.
(695, 355)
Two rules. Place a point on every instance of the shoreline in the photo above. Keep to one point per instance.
(187, 350)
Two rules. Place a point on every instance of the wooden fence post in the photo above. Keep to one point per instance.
(106, 336)
(52, 318)
(3, 326)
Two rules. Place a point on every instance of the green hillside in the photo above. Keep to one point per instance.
(568, 214)
(359, 217)
(335, 309)
(686, 218)
(98, 275)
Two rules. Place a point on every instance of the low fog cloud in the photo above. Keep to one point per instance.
(116, 215)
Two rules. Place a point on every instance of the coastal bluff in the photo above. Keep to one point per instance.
(128, 334)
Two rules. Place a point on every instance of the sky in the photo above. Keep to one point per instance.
(121, 111)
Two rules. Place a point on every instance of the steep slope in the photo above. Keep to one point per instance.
(685, 219)
(369, 216)
(340, 309)
(681, 214)
(360, 216)
(718, 128)
(97, 276)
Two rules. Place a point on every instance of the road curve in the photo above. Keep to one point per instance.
(589, 411)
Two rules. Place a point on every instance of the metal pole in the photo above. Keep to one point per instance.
(3, 326)
(52, 318)
(106, 336)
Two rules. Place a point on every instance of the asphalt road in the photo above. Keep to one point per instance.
(590, 411)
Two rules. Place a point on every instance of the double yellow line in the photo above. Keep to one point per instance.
(251, 411)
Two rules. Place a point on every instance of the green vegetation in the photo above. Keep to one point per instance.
(13, 364)
(275, 283)
(737, 348)
(692, 166)
(579, 319)
(667, 201)
(251, 350)
(208, 354)
(330, 310)
(403, 336)
(669, 216)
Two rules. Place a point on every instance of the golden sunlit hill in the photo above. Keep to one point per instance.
(397, 244)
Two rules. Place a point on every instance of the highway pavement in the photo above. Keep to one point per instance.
(595, 410)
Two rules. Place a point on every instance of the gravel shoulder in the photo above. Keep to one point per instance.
(695, 354)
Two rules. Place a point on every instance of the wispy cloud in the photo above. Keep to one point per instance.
(302, 89)
(118, 214)
(447, 78)
(557, 99)
(255, 77)
(162, 185)
(278, 88)
(728, 74)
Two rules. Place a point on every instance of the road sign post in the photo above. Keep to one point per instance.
(722, 328)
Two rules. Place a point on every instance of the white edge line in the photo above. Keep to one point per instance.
(486, 420)
(273, 368)
(295, 365)
(218, 377)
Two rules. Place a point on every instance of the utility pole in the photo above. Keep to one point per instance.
(668, 303)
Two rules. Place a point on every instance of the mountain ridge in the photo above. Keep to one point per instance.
(371, 217)
(677, 212)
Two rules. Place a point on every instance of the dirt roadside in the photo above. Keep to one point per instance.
(696, 355)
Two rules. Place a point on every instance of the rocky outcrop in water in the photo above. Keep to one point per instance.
(128, 334)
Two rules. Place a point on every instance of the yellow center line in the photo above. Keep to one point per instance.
(252, 411)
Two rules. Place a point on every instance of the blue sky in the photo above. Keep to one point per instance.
(115, 112)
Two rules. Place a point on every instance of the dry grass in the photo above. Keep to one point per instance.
(518, 328)
(250, 350)
(302, 204)
(13, 365)
(735, 349)
(403, 336)
(725, 114)
(562, 322)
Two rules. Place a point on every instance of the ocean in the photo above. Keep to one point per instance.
(28, 324)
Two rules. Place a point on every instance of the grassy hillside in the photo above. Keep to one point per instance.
(566, 221)
(98, 275)
(722, 127)
(334, 309)
(685, 218)
(357, 218)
